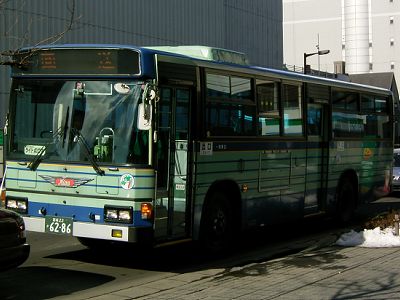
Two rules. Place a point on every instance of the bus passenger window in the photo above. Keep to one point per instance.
(268, 107)
(292, 113)
(381, 105)
(344, 100)
(230, 119)
(231, 108)
(314, 125)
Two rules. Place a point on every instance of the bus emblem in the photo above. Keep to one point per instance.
(127, 181)
(66, 181)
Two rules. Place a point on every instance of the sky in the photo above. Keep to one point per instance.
(370, 238)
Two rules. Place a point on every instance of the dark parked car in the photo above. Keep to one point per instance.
(396, 171)
(13, 247)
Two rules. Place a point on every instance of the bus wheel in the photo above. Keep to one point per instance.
(346, 201)
(217, 223)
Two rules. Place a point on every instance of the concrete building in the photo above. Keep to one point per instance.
(253, 27)
(365, 34)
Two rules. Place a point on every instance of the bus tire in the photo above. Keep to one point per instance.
(346, 197)
(217, 223)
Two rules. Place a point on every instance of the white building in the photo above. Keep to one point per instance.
(363, 33)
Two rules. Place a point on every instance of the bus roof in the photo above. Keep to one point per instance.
(219, 58)
(207, 53)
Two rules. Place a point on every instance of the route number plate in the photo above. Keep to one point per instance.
(58, 225)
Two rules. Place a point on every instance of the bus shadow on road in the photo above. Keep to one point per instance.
(255, 246)
(42, 282)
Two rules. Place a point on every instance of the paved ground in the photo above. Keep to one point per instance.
(323, 271)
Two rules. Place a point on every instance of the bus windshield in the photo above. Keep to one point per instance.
(48, 116)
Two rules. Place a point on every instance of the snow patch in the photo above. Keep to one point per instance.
(370, 238)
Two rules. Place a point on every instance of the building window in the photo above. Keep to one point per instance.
(391, 41)
(392, 65)
(391, 20)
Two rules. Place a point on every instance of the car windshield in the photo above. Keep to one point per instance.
(48, 116)
(396, 159)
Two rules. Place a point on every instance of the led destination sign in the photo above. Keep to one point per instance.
(79, 61)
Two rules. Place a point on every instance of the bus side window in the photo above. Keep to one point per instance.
(292, 109)
(268, 106)
(314, 120)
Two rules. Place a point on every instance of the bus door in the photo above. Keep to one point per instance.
(172, 163)
(317, 158)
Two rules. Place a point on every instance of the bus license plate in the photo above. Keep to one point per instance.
(58, 225)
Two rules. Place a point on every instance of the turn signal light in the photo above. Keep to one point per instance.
(3, 198)
(147, 211)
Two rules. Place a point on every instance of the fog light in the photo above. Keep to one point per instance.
(117, 233)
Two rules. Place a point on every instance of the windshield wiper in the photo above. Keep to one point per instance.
(33, 165)
(78, 137)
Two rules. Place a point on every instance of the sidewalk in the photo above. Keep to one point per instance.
(328, 273)
(321, 272)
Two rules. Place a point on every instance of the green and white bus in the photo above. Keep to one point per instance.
(168, 144)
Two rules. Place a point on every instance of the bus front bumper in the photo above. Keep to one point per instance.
(95, 231)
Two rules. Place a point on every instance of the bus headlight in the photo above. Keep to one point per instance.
(125, 215)
(19, 205)
(111, 214)
(118, 214)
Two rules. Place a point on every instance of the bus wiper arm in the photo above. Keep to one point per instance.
(33, 165)
(79, 138)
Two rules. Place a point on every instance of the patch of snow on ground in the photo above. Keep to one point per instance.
(371, 238)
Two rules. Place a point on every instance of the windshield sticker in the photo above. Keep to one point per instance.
(34, 149)
(122, 88)
(127, 181)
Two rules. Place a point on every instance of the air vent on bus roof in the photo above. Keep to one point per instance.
(207, 53)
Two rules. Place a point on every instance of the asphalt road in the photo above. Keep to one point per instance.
(60, 268)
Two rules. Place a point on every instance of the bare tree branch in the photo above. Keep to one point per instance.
(57, 37)
(49, 40)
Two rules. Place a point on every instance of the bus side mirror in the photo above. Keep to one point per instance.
(145, 108)
(144, 116)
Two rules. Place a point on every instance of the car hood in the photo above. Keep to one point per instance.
(5, 213)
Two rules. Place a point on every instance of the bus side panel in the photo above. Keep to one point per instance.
(371, 160)
(271, 181)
